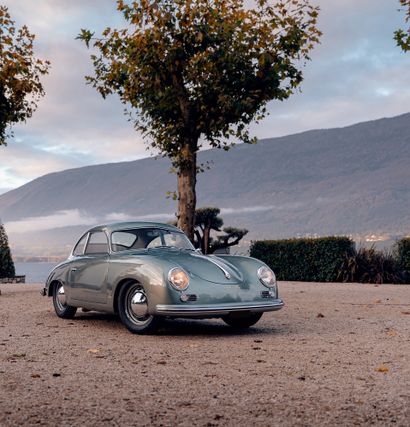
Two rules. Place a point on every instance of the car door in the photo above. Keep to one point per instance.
(88, 271)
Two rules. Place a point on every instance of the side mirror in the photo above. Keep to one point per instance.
(198, 251)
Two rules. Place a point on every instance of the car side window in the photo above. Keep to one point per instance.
(97, 243)
(79, 247)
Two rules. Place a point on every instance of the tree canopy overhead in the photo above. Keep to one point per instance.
(402, 37)
(201, 70)
(20, 72)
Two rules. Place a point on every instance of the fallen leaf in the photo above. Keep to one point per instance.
(93, 350)
(378, 301)
(382, 368)
(392, 333)
(320, 315)
(405, 312)
(302, 378)
(56, 375)
(35, 375)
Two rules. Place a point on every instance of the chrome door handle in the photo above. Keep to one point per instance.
(73, 269)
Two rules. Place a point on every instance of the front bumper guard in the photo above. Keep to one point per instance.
(217, 309)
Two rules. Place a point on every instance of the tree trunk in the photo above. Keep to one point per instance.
(186, 190)
(207, 232)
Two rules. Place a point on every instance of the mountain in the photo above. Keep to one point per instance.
(353, 180)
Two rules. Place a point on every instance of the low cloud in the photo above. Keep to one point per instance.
(75, 217)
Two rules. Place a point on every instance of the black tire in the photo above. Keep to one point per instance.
(134, 295)
(242, 321)
(61, 308)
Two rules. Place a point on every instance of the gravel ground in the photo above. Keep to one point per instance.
(337, 354)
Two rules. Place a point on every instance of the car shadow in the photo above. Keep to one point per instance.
(187, 327)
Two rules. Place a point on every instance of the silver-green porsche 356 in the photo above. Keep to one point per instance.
(147, 271)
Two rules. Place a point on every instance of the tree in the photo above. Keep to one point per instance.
(402, 37)
(20, 71)
(6, 261)
(200, 71)
(224, 241)
(208, 219)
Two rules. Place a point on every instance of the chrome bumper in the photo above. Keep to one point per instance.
(217, 309)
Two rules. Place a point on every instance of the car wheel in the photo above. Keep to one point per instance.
(133, 310)
(241, 320)
(61, 307)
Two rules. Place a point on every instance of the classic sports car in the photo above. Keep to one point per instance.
(147, 271)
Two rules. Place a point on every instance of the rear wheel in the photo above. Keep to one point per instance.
(61, 307)
(133, 310)
(238, 320)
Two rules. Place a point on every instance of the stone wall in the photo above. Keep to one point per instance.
(16, 279)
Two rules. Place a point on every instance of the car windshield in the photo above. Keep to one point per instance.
(146, 238)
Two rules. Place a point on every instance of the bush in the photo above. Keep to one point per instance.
(6, 261)
(369, 265)
(310, 260)
(402, 251)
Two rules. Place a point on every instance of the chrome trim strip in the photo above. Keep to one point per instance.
(179, 310)
(227, 274)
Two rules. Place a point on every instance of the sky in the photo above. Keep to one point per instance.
(356, 74)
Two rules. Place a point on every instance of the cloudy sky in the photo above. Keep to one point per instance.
(356, 74)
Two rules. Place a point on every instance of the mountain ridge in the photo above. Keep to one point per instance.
(349, 180)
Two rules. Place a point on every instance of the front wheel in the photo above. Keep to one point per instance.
(242, 320)
(133, 310)
(61, 307)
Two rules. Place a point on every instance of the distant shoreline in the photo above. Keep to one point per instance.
(55, 259)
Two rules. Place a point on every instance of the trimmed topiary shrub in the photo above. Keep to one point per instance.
(309, 260)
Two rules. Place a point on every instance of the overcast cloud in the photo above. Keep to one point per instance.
(356, 74)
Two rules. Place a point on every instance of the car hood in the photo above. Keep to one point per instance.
(207, 267)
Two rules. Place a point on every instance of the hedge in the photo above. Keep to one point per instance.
(310, 260)
(403, 253)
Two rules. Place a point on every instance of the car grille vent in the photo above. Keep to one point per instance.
(266, 294)
(192, 297)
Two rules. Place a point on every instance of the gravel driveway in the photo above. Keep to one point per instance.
(337, 354)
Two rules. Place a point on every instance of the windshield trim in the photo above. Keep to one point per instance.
(177, 231)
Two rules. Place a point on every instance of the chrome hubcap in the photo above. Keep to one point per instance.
(137, 305)
(61, 298)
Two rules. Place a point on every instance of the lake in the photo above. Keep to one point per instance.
(35, 272)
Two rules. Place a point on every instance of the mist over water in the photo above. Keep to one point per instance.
(35, 272)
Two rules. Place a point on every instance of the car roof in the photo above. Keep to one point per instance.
(117, 226)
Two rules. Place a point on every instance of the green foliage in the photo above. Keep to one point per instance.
(402, 250)
(6, 261)
(231, 237)
(402, 37)
(20, 71)
(313, 260)
(369, 265)
(207, 219)
(204, 67)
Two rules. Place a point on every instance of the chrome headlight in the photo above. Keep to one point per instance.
(267, 277)
(178, 278)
